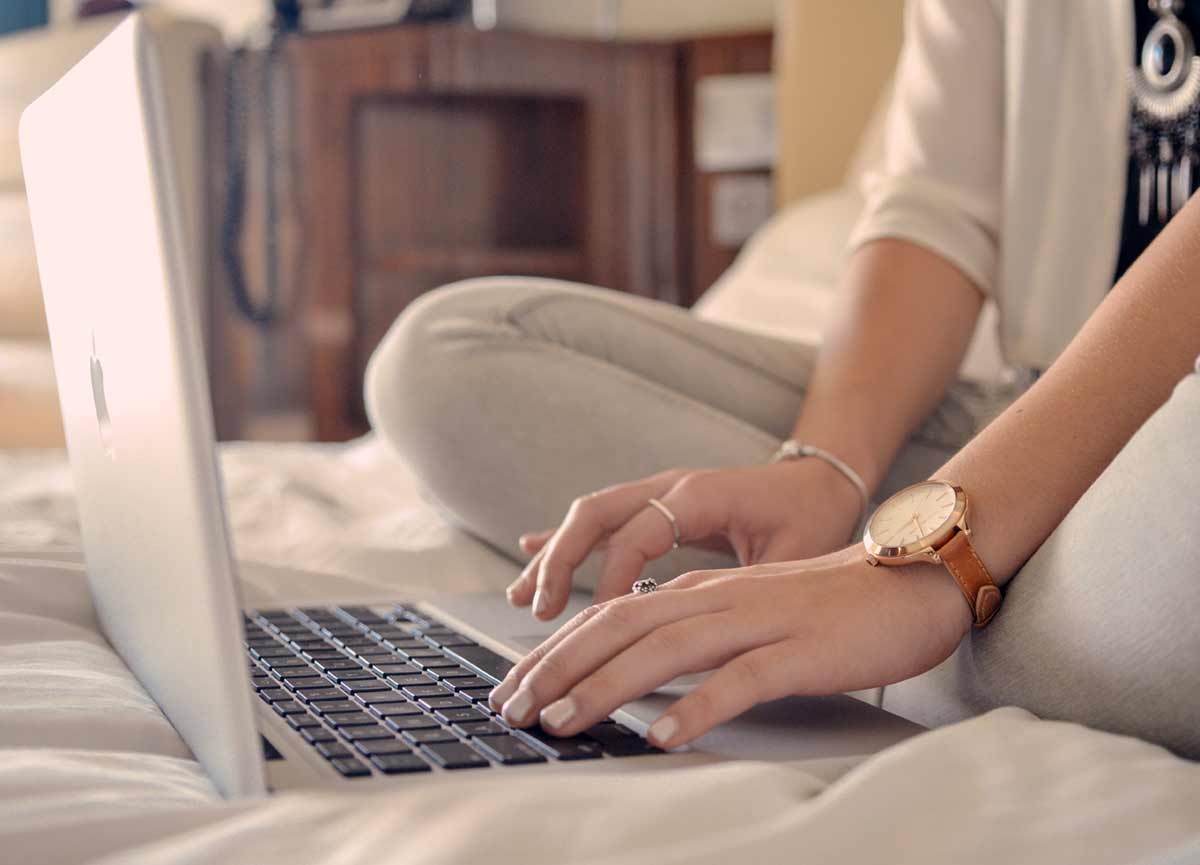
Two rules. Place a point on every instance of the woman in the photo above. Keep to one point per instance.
(1008, 142)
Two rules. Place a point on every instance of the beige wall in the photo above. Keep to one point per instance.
(832, 64)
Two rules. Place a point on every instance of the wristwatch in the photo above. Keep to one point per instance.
(928, 522)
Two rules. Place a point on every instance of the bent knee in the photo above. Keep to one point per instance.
(433, 353)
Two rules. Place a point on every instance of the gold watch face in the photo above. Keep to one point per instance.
(915, 521)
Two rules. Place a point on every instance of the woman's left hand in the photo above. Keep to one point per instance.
(822, 626)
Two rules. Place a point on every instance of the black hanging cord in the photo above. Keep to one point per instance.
(266, 311)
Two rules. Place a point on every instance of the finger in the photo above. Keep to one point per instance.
(602, 630)
(750, 678)
(692, 645)
(589, 520)
(531, 542)
(700, 512)
(520, 591)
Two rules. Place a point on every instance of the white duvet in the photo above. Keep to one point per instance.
(90, 770)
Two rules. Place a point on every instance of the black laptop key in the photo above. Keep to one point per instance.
(508, 750)
(351, 768)
(572, 748)
(358, 674)
(377, 658)
(327, 707)
(333, 750)
(319, 695)
(480, 728)
(444, 702)
(361, 614)
(476, 695)
(262, 680)
(343, 664)
(410, 681)
(426, 690)
(373, 698)
(436, 664)
(272, 695)
(365, 734)
(349, 719)
(410, 722)
(396, 710)
(620, 741)
(288, 663)
(462, 684)
(393, 667)
(395, 764)
(454, 755)
(365, 686)
(359, 645)
(318, 735)
(492, 666)
(288, 707)
(303, 722)
(418, 654)
(302, 682)
(429, 736)
(276, 650)
(372, 747)
(457, 716)
(323, 655)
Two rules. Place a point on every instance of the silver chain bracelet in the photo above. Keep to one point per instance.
(796, 450)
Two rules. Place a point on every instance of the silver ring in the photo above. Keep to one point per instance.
(646, 586)
(666, 512)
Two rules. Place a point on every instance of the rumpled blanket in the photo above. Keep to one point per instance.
(91, 771)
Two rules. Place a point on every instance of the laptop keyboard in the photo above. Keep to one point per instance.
(399, 693)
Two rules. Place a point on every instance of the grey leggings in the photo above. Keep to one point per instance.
(509, 397)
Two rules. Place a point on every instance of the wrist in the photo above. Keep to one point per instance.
(948, 616)
(809, 476)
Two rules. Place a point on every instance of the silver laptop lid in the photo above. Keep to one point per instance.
(129, 361)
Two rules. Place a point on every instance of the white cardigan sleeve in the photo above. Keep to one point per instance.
(940, 185)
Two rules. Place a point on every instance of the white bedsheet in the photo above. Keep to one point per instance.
(91, 770)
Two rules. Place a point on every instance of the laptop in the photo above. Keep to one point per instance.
(359, 694)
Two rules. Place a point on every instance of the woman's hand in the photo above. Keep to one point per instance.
(770, 513)
(817, 627)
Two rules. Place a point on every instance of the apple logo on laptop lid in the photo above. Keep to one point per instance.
(101, 402)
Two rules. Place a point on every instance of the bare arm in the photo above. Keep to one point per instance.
(906, 319)
(1029, 467)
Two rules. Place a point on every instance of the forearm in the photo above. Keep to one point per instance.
(1032, 464)
(905, 321)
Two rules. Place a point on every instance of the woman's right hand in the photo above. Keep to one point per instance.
(783, 511)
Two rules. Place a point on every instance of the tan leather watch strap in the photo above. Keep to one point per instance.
(960, 558)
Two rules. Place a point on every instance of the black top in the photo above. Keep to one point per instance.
(1134, 237)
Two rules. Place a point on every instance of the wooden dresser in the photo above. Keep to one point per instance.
(423, 155)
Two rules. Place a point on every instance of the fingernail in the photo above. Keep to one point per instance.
(501, 693)
(516, 711)
(558, 713)
(662, 730)
(510, 591)
(541, 603)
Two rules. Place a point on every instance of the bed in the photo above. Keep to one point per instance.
(90, 770)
